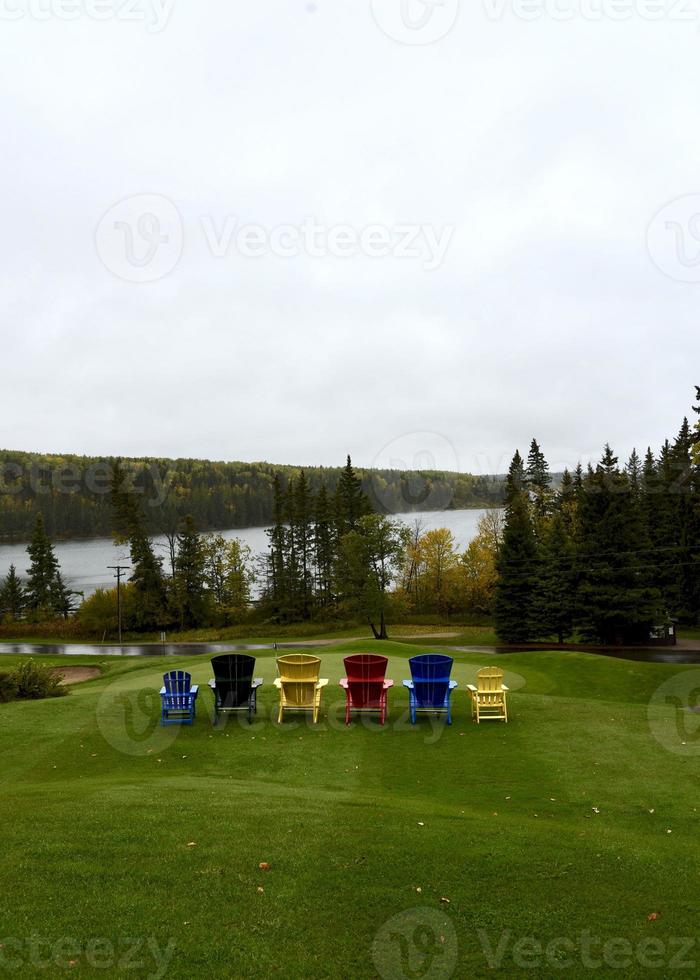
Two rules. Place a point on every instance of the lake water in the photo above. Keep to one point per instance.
(84, 563)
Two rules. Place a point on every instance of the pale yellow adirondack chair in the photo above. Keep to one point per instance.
(299, 685)
(489, 696)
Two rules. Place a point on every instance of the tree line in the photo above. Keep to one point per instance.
(611, 554)
(72, 493)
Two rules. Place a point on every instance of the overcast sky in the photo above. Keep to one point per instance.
(535, 153)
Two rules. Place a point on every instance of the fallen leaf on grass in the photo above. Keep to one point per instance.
(653, 916)
(445, 900)
(421, 824)
(260, 890)
(264, 866)
(191, 843)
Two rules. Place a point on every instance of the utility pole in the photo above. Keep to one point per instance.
(119, 569)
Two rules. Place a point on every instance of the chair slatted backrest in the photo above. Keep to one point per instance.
(233, 673)
(366, 673)
(299, 674)
(489, 683)
(430, 673)
(177, 684)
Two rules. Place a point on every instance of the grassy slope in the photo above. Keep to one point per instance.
(95, 838)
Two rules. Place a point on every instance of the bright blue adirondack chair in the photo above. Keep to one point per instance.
(178, 698)
(430, 687)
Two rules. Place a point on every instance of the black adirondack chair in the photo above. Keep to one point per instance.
(233, 684)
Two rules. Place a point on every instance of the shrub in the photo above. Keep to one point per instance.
(8, 687)
(35, 681)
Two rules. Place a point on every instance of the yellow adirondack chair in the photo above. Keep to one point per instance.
(489, 696)
(299, 685)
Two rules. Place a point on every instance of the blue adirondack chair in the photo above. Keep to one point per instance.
(178, 698)
(430, 687)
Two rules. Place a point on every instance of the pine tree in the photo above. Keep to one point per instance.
(147, 571)
(351, 502)
(41, 575)
(517, 563)
(12, 595)
(686, 514)
(63, 599)
(554, 599)
(189, 583)
(539, 482)
(324, 546)
(302, 507)
(616, 602)
(278, 536)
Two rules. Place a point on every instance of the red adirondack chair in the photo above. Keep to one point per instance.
(365, 686)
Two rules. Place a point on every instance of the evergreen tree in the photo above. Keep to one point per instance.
(686, 514)
(324, 546)
(302, 509)
(367, 562)
(616, 602)
(351, 502)
(41, 575)
(539, 482)
(12, 595)
(63, 599)
(190, 577)
(554, 598)
(278, 536)
(147, 571)
(516, 564)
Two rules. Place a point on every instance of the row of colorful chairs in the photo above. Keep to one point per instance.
(366, 686)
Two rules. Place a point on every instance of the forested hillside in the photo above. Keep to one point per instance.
(72, 492)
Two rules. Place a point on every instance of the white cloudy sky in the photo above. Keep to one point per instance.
(548, 144)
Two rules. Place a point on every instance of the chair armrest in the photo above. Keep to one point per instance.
(388, 684)
(470, 687)
(322, 681)
(194, 689)
(343, 683)
(212, 684)
(453, 685)
(408, 684)
(503, 687)
(257, 682)
(278, 682)
(162, 691)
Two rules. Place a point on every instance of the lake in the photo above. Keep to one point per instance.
(84, 563)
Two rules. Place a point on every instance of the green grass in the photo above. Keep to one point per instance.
(99, 805)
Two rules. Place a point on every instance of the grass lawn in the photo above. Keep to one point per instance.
(406, 851)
